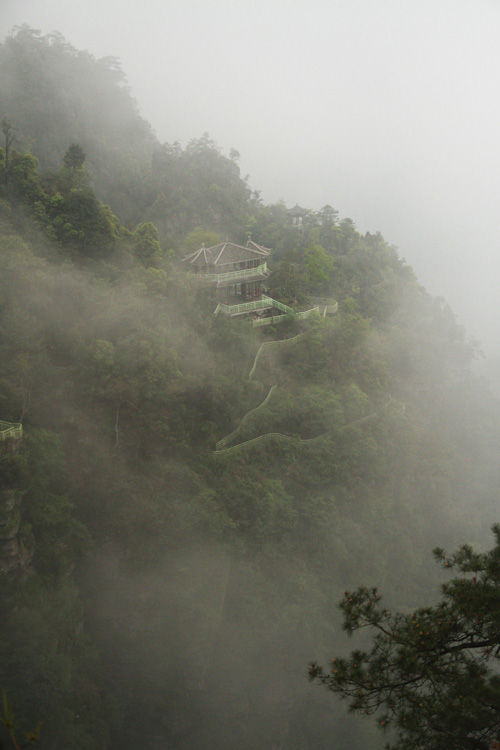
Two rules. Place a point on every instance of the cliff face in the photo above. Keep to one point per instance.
(10, 520)
(13, 554)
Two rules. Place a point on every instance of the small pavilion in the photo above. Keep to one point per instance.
(236, 273)
(296, 215)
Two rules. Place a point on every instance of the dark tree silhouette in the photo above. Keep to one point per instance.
(431, 675)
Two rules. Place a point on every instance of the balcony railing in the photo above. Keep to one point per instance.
(275, 319)
(269, 321)
(278, 305)
(307, 313)
(267, 303)
(10, 431)
(327, 305)
(236, 276)
(258, 304)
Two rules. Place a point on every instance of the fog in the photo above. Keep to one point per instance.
(202, 580)
(204, 634)
(387, 110)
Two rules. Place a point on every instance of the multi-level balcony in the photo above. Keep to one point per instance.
(258, 273)
(237, 273)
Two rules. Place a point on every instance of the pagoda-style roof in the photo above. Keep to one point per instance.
(251, 245)
(297, 211)
(225, 253)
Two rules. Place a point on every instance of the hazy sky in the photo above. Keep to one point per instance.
(387, 109)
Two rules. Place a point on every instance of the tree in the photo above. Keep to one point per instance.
(9, 139)
(197, 237)
(73, 173)
(74, 157)
(319, 266)
(24, 178)
(81, 221)
(147, 248)
(328, 216)
(430, 675)
(286, 281)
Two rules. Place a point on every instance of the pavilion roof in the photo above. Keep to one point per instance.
(297, 211)
(251, 245)
(225, 252)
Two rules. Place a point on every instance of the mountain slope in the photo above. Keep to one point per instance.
(165, 593)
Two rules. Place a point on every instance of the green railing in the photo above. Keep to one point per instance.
(245, 273)
(265, 303)
(330, 309)
(295, 438)
(272, 345)
(307, 313)
(10, 431)
(327, 305)
(225, 440)
(278, 305)
(260, 439)
(258, 304)
(274, 436)
(275, 319)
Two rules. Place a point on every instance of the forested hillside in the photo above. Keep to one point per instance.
(157, 591)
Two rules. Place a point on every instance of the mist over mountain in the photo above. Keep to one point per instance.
(198, 478)
(388, 112)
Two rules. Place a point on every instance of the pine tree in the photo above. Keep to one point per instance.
(432, 675)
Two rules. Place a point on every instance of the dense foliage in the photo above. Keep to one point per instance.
(149, 581)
